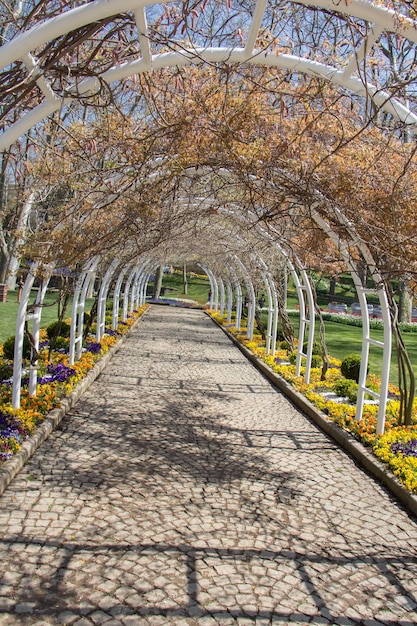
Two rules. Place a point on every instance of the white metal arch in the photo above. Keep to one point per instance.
(304, 294)
(22, 317)
(102, 299)
(78, 308)
(367, 341)
(116, 297)
(380, 18)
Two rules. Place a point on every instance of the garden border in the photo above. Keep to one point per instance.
(10, 468)
(354, 448)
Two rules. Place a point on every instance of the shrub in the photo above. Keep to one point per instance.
(350, 366)
(61, 343)
(293, 357)
(58, 329)
(346, 388)
(316, 360)
(6, 372)
(8, 348)
(316, 347)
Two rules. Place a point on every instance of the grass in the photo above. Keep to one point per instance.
(8, 312)
(197, 288)
(341, 340)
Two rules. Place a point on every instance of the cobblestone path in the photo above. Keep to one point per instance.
(184, 489)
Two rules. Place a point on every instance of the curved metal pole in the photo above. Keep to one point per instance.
(229, 301)
(144, 289)
(78, 306)
(19, 336)
(275, 318)
(102, 299)
(213, 287)
(238, 290)
(307, 320)
(126, 293)
(307, 313)
(142, 284)
(222, 296)
(36, 325)
(116, 298)
(23, 44)
(270, 313)
(386, 345)
(135, 288)
(251, 299)
(143, 280)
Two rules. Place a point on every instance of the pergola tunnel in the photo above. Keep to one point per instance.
(227, 285)
(255, 139)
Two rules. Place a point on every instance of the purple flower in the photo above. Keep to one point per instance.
(11, 427)
(93, 347)
(111, 332)
(57, 372)
(5, 455)
(407, 448)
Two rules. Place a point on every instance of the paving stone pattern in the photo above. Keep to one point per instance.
(184, 489)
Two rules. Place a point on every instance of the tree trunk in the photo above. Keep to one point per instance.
(4, 264)
(184, 274)
(259, 323)
(406, 376)
(287, 328)
(158, 282)
(14, 245)
(405, 303)
(332, 289)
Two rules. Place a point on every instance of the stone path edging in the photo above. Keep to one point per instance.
(357, 450)
(10, 468)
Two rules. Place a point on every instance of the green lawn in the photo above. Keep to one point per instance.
(341, 339)
(197, 288)
(8, 312)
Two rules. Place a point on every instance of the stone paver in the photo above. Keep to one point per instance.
(183, 489)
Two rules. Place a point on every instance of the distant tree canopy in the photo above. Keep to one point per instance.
(161, 158)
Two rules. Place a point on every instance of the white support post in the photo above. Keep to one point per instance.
(239, 304)
(144, 286)
(116, 299)
(102, 300)
(251, 300)
(213, 301)
(78, 307)
(126, 293)
(222, 296)
(229, 301)
(268, 341)
(275, 321)
(238, 290)
(385, 345)
(19, 336)
(307, 320)
(36, 325)
(134, 288)
(309, 317)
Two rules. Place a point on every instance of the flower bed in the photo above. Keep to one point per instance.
(56, 380)
(397, 447)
